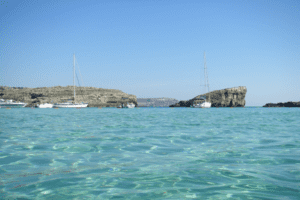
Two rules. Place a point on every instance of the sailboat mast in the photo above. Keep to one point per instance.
(206, 76)
(74, 75)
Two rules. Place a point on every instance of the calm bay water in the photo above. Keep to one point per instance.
(150, 153)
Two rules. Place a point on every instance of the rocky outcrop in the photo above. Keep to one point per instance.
(96, 97)
(229, 97)
(156, 102)
(287, 104)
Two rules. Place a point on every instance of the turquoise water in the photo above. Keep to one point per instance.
(150, 153)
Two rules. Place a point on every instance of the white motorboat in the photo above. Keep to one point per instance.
(130, 105)
(73, 104)
(11, 104)
(204, 104)
(45, 105)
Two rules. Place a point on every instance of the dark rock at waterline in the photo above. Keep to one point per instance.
(229, 97)
(286, 104)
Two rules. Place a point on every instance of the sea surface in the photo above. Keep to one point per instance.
(150, 153)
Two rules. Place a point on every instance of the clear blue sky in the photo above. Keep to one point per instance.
(154, 48)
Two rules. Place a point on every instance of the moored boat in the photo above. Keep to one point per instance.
(204, 104)
(45, 105)
(73, 104)
(11, 104)
(70, 105)
(130, 105)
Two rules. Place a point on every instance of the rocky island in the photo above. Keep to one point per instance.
(95, 97)
(280, 104)
(229, 97)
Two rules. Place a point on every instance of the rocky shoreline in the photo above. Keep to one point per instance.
(96, 97)
(229, 97)
(99, 97)
(286, 104)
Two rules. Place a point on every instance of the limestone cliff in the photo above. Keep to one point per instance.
(287, 104)
(96, 97)
(229, 97)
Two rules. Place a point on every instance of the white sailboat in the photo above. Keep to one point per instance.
(73, 104)
(204, 104)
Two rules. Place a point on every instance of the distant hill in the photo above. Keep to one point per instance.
(156, 102)
(7, 87)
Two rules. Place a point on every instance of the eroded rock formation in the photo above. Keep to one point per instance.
(96, 97)
(229, 97)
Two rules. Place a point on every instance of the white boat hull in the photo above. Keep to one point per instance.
(11, 104)
(70, 105)
(22, 105)
(45, 105)
(203, 105)
(129, 106)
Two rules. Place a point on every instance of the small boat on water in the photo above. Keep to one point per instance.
(73, 104)
(70, 105)
(204, 104)
(45, 105)
(11, 104)
(130, 105)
